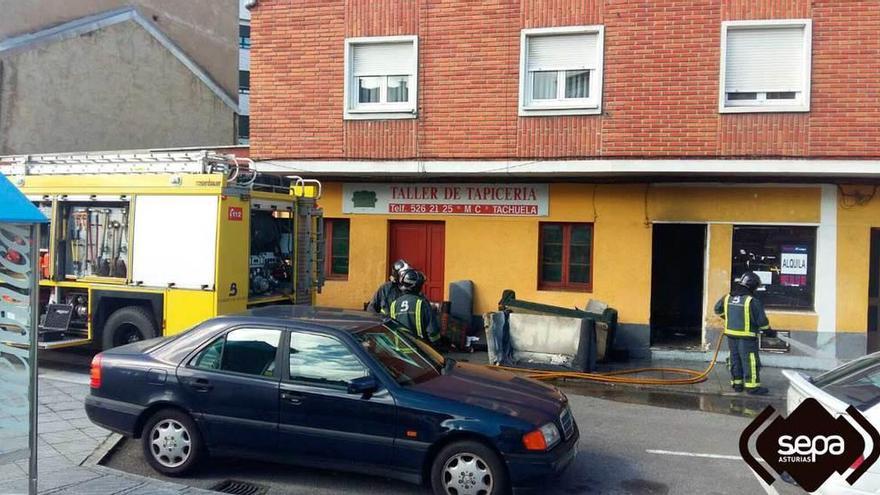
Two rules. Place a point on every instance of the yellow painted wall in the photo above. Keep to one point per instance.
(854, 223)
(500, 253)
(742, 205)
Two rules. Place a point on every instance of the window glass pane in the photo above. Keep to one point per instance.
(244, 80)
(579, 250)
(551, 234)
(369, 89)
(340, 228)
(339, 266)
(784, 258)
(577, 84)
(244, 36)
(552, 253)
(209, 358)
(578, 254)
(338, 245)
(398, 89)
(322, 360)
(579, 274)
(251, 351)
(551, 272)
(580, 234)
(742, 96)
(244, 126)
(782, 95)
(544, 85)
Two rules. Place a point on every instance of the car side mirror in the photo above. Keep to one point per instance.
(364, 385)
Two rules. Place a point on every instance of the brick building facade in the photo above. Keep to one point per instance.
(660, 93)
(755, 121)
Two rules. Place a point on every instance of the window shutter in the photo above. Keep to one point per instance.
(382, 59)
(764, 59)
(563, 52)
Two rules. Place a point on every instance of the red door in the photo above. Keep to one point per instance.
(422, 245)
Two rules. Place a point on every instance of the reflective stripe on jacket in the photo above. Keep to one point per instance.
(415, 313)
(743, 315)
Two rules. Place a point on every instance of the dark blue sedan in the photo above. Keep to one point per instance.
(331, 389)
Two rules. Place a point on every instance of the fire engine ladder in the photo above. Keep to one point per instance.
(189, 162)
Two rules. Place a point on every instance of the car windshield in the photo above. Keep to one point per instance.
(859, 387)
(408, 360)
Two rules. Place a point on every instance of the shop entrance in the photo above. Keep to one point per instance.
(422, 244)
(677, 274)
(874, 293)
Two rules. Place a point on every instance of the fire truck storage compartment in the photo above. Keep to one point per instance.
(93, 239)
(64, 314)
(175, 241)
(271, 250)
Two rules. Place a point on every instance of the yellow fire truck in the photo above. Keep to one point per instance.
(147, 244)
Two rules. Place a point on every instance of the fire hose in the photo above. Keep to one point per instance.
(690, 377)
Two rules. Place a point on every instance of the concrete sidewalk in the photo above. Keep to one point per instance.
(70, 447)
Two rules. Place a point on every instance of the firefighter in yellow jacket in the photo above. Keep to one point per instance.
(744, 318)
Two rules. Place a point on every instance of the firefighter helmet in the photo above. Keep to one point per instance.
(411, 281)
(398, 268)
(750, 280)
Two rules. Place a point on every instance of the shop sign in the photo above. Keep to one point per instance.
(793, 271)
(507, 200)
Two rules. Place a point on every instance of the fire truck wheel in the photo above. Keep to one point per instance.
(127, 325)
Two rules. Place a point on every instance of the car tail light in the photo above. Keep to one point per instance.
(534, 440)
(95, 373)
(858, 462)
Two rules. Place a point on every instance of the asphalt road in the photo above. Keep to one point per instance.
(640, 442)
(625, 448)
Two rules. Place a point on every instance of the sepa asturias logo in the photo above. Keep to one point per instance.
(810, 445)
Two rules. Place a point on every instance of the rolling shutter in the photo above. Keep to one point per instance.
(765, 59)
(563, 52)
(382, 59)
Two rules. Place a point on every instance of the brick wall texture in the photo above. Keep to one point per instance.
(660, 93)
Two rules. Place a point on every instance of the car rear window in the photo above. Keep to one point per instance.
(850, 368)
(859, 387)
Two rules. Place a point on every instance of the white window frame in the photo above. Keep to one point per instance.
(376, 111)
(561, 105)
(801, 103)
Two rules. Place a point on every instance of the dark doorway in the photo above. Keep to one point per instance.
(423, 245)
(677, 274)
(874, 293)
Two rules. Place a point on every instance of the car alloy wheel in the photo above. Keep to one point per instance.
(170, 443)
(467, 474)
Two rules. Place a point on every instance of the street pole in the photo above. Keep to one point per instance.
(33, 396)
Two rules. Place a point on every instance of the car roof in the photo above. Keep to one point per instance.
(310, 317)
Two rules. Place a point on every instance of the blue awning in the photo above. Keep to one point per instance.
(14, 207)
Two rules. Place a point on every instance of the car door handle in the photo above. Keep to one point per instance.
(201, 384)
(294, 398)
